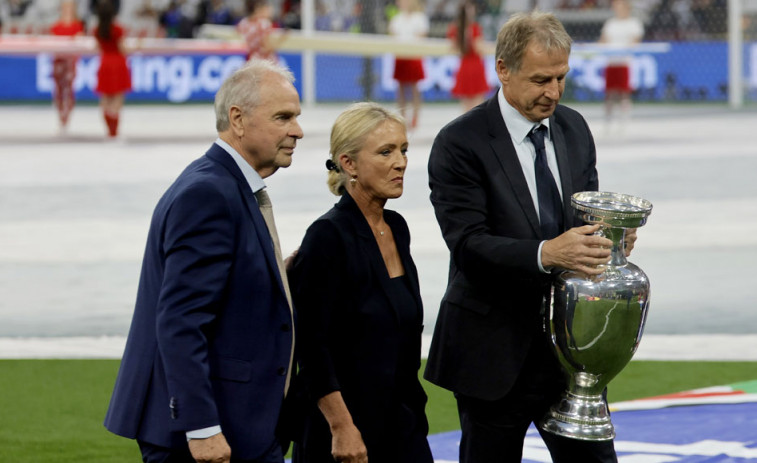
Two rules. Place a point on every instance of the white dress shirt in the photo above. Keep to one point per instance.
(519, 128)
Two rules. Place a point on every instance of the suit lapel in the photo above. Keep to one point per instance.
(502, 145)
(369, 247)
(561, 152)
(219, 155)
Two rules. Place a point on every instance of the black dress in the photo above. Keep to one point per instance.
(358, 332)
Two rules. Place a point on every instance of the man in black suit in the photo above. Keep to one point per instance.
(502, 198)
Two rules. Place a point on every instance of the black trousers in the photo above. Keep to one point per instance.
(156, 454)
(493, 431)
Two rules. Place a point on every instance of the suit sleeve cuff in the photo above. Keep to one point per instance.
(203, 433)
(538, 259)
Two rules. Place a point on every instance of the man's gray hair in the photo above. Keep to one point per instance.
(542, 28)
(242, 89)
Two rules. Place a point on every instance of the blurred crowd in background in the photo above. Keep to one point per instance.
(664, 20)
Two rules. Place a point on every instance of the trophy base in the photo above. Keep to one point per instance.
(580, 417)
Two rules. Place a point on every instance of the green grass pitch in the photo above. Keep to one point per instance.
(51, 411)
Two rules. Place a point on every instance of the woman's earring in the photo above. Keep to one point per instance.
(353, 179)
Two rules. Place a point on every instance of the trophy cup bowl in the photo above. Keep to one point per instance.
(596, 322)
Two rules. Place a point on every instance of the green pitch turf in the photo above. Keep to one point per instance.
(51, 411)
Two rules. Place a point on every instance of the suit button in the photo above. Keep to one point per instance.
(282, 371)
(285, 327)
(172, 406)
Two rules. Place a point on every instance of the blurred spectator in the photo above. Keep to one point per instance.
(322, 17)
(215, 12)
(491, 17)
(749, 26)
(179, 19)
(18, 8)
(14, 14)
(256, 28)
(291, 14)
(620, 31)
(442, 10)
(64, 65)
(409, 24)
(113, 76)
(142, 17)
(665, 23)
(338, 15)
(465, 33)
(710, 17)
(115, 4)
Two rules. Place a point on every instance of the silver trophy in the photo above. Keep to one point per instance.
(596, 322)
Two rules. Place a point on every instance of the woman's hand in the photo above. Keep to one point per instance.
(346, 441)
(347, 445)
(289, 260)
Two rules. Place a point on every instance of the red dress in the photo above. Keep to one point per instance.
(113, 76)
(408, 70)
(61, 28)
(471, 77)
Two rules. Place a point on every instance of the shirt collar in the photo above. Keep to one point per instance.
(518, 126)
(251, 175)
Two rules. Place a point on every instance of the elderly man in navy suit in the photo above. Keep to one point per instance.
(209, 354)
(501, 179)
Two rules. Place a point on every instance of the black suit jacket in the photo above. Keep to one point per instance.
(491, 312)
(348, 332)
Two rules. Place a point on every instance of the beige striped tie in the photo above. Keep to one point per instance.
(266, 208)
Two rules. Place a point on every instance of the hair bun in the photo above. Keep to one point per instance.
(330, 165)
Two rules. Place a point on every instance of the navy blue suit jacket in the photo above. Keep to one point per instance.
(491, 312)
(211, 334)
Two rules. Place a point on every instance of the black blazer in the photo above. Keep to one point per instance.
(348, 327)
(490, 313)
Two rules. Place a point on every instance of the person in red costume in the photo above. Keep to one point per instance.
(409, 24)
(256, 30)
(64, 65)
(113, 77)
(466, 35)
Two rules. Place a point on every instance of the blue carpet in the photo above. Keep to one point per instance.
(721, 433)
(690, 434)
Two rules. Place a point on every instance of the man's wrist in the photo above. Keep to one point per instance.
(203, 433)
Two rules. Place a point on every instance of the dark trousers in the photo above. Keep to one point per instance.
(157, 454)
(493, 431)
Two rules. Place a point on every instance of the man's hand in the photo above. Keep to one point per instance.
(214, 449)
(347, 445)
(630, 240)
(577, 249)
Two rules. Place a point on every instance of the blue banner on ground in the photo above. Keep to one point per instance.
(686, 72)
(686, 434)
(720, 433)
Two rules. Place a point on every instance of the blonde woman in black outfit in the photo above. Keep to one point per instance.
(359, 308)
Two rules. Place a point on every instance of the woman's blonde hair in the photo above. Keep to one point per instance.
(348, 135)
